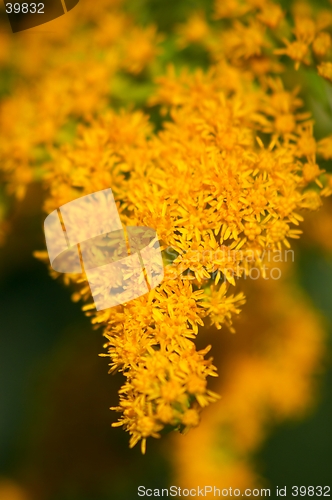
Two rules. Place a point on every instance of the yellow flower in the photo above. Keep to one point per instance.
(297, 50)
(230, 8)
(321, 44)
(271, 15)
(325, 70)
(311, 172)
(190, 418)
(140, 48)
(221, 308)
(195, 30)
(243, 41)
(305, 29)
(324, 147)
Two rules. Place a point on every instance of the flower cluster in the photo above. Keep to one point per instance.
(230, 169)
(204, 182)
(69, 79)
(253, 32)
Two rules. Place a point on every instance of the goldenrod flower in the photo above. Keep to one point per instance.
(222, 181)
(324, 147)
(214, 194)
(271, 15)
(230, 8)
(140, 48)
(297, 50)
(322, 44)
(195, 30)
(325, 70)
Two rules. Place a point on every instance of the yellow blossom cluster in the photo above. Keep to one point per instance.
(217, 197)
(68, 79)
(254, 30)
(225, 177)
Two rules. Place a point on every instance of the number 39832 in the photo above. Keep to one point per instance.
(25, 8)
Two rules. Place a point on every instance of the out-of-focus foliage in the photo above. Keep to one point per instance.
(267, 378)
